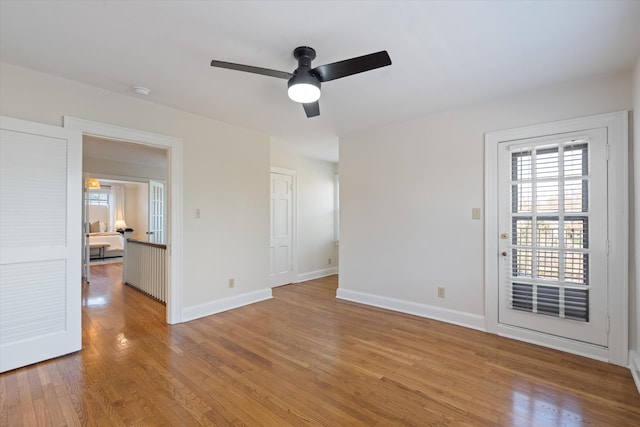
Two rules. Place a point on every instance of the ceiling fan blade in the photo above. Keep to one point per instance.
(312, 109)
(352, 66)
(251, 69)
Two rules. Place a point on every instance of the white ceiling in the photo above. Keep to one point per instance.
(445, 54)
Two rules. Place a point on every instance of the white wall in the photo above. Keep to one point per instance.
(225, 176)
(407, 192)
(315, 213)
(122, 169)
(99, 213)
(136, 209)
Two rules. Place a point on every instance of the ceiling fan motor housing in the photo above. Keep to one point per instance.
(304, 55)
(303, 76)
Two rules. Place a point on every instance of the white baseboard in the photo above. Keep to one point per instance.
(634, 366)
(218, 306)
(316, 274)
(437, 313)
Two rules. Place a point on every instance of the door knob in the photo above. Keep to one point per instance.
(504, 254)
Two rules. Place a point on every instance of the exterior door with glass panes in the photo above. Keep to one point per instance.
(553, 235)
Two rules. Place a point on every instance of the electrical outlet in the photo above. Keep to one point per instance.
(329, 262)
(440, 292)
(232, 282)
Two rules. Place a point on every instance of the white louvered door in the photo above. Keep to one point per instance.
(553, 241)
(40, 242)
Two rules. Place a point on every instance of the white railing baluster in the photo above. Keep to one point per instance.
(145, 267)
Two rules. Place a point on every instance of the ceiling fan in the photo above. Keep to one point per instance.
(304, 82)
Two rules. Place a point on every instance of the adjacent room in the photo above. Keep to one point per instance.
(320, 213)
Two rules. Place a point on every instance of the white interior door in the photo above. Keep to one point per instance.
(40, 242)
(553, 235)
(156, 212)
(281, 242)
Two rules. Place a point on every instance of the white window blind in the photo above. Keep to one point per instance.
(549, 269)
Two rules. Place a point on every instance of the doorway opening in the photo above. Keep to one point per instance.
(173, 147)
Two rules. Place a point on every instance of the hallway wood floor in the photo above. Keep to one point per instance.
(304, 358)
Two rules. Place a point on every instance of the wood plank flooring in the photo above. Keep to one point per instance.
(304, 358)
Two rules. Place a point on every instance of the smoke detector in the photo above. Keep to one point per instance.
(141, 90)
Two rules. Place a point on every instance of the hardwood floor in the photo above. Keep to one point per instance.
(304, 358)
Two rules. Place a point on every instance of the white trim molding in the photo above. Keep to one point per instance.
(436, 313)
(317, 274)
(552, 341)
(634, 366)
(173, 146)
(617, 125)
(224, 304)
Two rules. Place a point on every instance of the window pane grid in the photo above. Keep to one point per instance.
(549, 204)
(98, 197)
(547, 233)
(547, 199)
(567, 302)
(575, 159)
(522, 197)
(575, 195)
(522, 263)
(522, 232)
(576, 266)
(548, 265)
(521, 166)
(547, 163)
(576, 233)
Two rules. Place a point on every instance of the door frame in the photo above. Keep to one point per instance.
(616, 124)
(294, 217)
(173, 146)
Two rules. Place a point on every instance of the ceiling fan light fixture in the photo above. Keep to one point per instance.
(304, 89)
